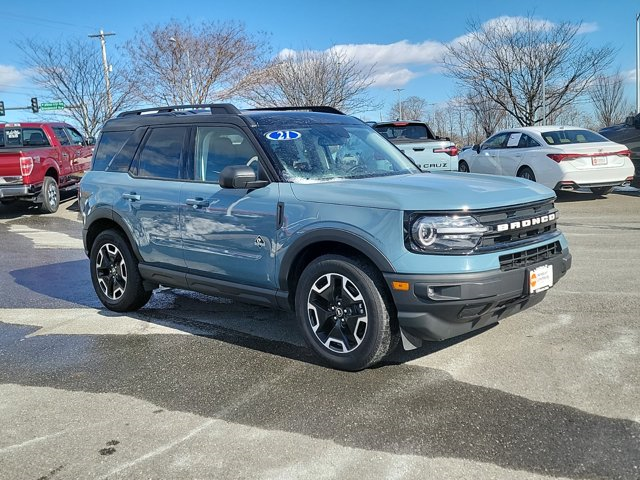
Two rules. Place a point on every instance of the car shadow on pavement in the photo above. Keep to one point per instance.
(399, 409)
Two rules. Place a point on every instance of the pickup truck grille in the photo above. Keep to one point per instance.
(529, 257)
(517, 225)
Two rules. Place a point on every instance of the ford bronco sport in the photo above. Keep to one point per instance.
(312, 210)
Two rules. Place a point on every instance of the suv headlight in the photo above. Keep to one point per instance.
(445, 233)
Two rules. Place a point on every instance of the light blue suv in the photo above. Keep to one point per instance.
(313, 211)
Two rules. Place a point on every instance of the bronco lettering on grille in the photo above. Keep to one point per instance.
(503, 227)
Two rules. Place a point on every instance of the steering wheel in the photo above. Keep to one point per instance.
(358, 167)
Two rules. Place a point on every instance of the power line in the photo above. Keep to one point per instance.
(40, 21)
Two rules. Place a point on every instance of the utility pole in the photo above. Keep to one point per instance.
(638, 63)
(544, 100)
(399, 102)
(101, 36)
(189, 72)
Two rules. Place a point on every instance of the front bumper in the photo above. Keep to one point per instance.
(437, 307)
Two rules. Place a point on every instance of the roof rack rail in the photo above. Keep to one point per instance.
(313, 108)
(215, 108)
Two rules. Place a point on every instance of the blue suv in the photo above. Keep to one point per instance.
(311, 210)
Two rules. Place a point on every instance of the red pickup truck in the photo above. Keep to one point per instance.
(37, 160)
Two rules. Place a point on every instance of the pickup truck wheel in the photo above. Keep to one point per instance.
(463, 167)
(115, 275)
(601, 190)
(526, 172)
(343, 313)
(50, 195)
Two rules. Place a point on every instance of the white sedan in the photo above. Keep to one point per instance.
(561, 158)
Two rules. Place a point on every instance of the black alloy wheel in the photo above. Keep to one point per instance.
(115, 275)
(343, 312)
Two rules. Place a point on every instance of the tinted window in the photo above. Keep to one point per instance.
(563, 137)
(23, 137)
(61, 135)
(404, 131)
(109, 145)
(161, 156)
(218, 147)
(76, 138)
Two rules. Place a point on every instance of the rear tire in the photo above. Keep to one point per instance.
(115, 275)
(343, 313)
(50, 195)
(601, 190)
(526, 172)
(463, 167)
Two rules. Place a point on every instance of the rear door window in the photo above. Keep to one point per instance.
(162, 154)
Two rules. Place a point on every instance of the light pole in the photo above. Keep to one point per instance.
(399, 102)
(189, 73)
(103, 43)
(638, 63)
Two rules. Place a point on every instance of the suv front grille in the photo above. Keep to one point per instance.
(517, 225)
(529, 257)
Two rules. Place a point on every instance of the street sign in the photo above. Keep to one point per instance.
(52, 106)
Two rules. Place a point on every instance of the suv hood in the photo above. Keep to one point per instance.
(425, 191)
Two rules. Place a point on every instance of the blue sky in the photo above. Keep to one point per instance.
(405, 38)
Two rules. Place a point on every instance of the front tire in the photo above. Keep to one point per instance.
(463, 166)
(343, 313)
(601, 190)
(115, 275)
(50, 195)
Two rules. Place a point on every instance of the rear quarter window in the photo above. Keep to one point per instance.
(564, 137)
(109, 145)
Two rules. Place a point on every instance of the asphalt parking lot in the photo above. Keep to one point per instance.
(197, 387)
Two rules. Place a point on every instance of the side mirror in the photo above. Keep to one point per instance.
(90, 141)
(240, 177)
(476, 148)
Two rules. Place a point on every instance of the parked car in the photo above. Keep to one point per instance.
(418, 142)
(559, 157)
(627, 133)
(38, 159)
(274, 207)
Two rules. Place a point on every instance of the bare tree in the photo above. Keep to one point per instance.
(411, 108)
(487, 114)
(607, 95)
(180, 63)
(508, 59)
(310, 77)
(73, 72)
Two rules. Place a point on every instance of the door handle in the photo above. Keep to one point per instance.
(65, 155)
(197, 202)
(418, 149)
(134, 197)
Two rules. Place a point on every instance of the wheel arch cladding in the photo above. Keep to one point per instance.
(105, 220)
(317, 243)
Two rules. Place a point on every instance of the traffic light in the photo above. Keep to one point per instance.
(1, 109)
(34, 105)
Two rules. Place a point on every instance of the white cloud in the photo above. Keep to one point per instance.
(588, 27)
(393, 78)
(10, 76)
(396, 64)
(398, 53)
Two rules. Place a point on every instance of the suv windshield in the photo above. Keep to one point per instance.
(563, 137)
(322, 152)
